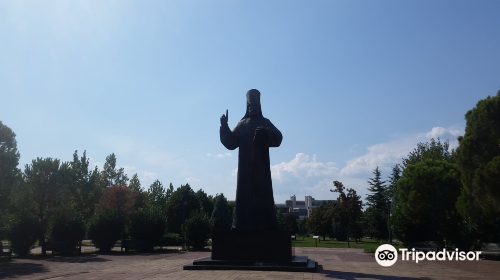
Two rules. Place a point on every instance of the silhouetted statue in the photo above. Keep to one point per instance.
(253, 134)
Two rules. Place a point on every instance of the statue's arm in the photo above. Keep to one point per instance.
(275, 136)
(228, 138)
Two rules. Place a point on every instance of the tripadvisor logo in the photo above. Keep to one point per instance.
(386, 255)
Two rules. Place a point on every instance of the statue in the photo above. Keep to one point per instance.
(254, 135)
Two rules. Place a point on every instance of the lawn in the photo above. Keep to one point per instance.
(369, 245)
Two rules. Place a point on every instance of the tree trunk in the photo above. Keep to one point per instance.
(348, 237)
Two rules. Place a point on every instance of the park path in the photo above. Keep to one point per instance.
(334, 263)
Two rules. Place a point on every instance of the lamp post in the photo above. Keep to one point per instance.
(388, 219)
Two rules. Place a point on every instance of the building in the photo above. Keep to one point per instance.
(302, 208)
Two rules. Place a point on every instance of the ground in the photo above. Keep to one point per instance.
(334, 263)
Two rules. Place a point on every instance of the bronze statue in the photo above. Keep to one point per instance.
(253, 134)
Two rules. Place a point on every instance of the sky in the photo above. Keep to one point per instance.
(351, 85)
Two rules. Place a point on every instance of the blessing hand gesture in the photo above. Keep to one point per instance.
(223, 119)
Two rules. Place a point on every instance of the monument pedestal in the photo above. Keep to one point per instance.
(268, 250)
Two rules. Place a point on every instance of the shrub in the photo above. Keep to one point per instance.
(106, 227)
(148, 224)
(197, 229)
(221, 217)
(22, 232)
(68, 227)
(171, 239)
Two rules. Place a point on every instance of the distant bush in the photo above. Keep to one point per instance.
(68, 227)
(106, 227)
(23, 231)
(197, 229)
(148, 224)
(170, 239)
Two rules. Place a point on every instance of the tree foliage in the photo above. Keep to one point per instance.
(376, 216)
(110, 175)
(148, 224)
(319, 220)
(84, 188)
(221, 218)
(347, 209)
(197, 229)
(157, 195)
(9, 159)
(427, 192)
(119, 198)
(478, 156)
(179, 207)
(106, 227)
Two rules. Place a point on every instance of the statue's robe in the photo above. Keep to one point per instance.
(254, 207)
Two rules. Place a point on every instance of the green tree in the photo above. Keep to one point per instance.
(206, 201)
(302, 227)
(430, 150)
(157, 194)
(45, 191)
(347, 209)
(319, 220)
(393, 180)
(290, 223)
(197, 229)
(135, 184)
(478, 156)
(221, 218)
(110, 176)
(84, 188)
(141, 196)
(377, 214)
(179, 207)
(9, 159)
(426, 194)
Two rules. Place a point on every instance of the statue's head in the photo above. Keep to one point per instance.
(253, 104)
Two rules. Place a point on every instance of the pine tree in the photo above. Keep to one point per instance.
(377, 212)
(221, 218)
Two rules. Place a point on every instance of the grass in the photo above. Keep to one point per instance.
(368, 245)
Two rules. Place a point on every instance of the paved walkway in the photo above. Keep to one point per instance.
(350, 264)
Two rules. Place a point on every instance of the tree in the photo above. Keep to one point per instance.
(393, 180)
(135, 184)
(111, 176)
(426, 194)
(206, 201)
(319, 220)
(84, 188)
(302, 227)
(157, 194)
(478, 156)
(348, 208)
(290, 223)
(221, 218)
(377, 211)
(118, 198)
(45, 191)
(179, 207)
(197, 229)
(141, 197)
(430, 150)
(9, 159)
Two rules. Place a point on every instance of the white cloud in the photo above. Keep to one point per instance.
(209, 154)
(192, 179)
(219, 156)
(228, 154)
(300, 166)
(387, 154)
(441, 131)
(148, 175)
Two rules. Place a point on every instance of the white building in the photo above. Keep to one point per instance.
(303, 208)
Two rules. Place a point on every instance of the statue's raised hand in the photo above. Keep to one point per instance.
(223, 119)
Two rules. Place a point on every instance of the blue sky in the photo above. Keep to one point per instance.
(350, 84)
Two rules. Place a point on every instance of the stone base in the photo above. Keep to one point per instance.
(296, 264)
(265, 250)
(251, 245)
